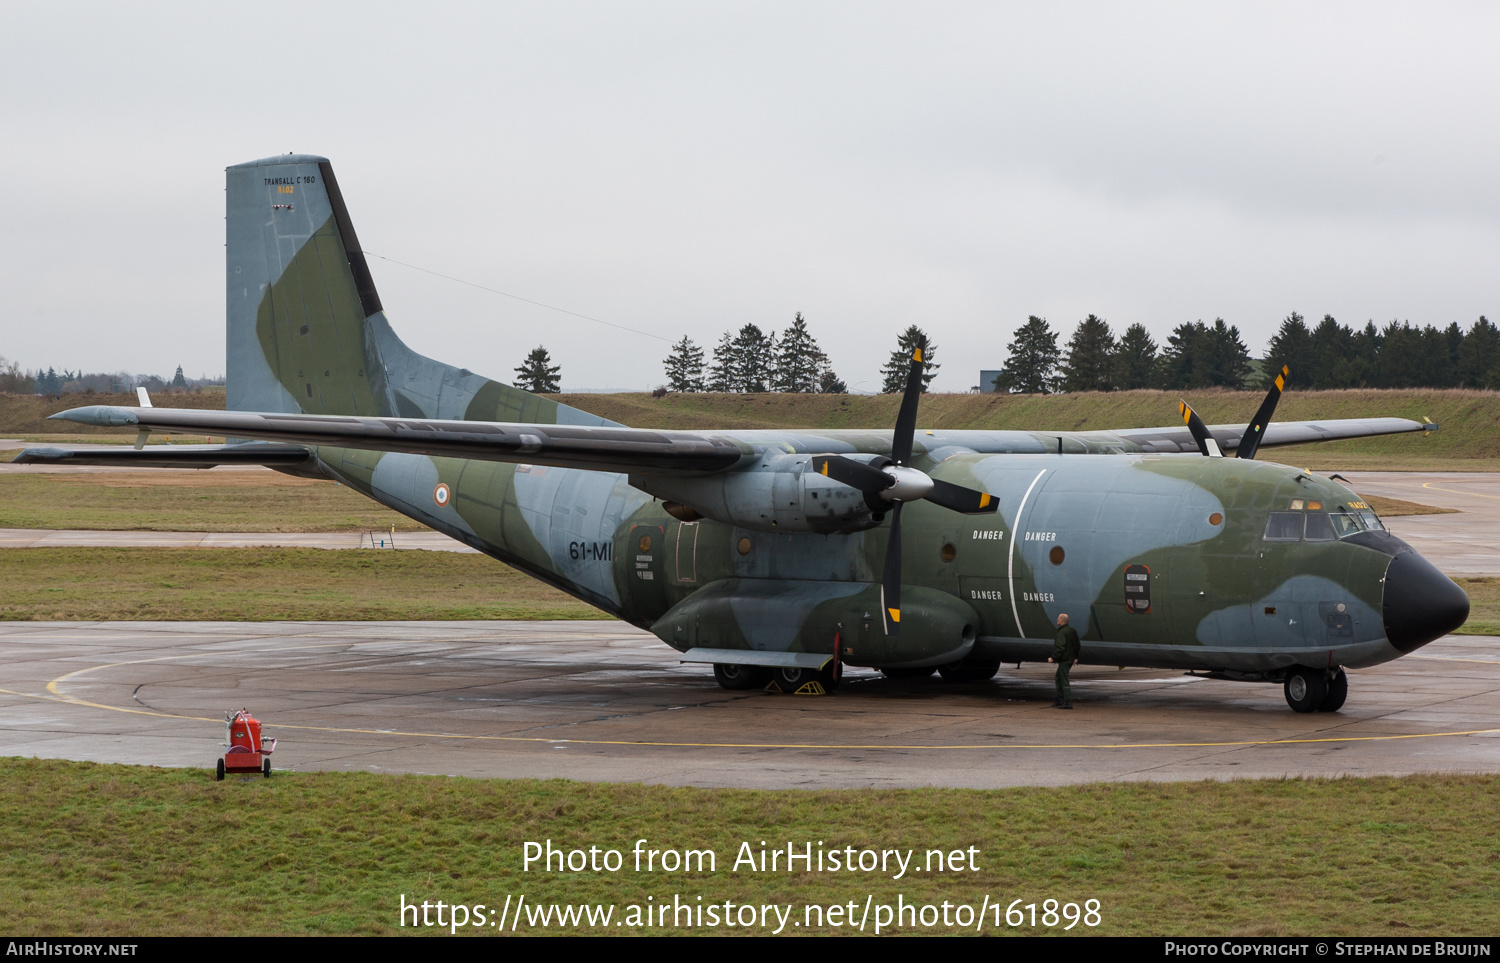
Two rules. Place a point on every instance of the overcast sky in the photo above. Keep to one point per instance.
(684, 169)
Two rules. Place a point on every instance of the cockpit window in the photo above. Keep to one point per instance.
(1349, 523)
(1319, 528)
(1284, 527)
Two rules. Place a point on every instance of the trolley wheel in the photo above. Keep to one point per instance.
(220, 773)
(265, 767)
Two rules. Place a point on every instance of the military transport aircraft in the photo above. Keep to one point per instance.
(778, 556)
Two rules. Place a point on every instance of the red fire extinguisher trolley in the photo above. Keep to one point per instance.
(244, 751)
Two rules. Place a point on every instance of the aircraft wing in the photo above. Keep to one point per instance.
(1278, 433)
(170, 456)
(562, 446)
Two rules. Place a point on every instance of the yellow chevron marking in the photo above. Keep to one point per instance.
(984, 500)
(895, 614)
(917, 355)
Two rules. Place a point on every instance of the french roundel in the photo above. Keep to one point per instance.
(440, 495)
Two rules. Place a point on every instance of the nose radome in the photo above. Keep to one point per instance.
(1421, 603)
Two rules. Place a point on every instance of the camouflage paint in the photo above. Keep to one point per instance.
(781, 571)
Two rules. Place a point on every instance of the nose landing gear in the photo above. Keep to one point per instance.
(1316, 690)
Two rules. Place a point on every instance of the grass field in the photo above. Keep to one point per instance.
(190, 501)
(123, 850)
(266, 584)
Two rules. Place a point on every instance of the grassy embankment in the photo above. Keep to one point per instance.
(134, 850)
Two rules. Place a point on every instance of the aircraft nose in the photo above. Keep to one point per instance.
(1421, 603)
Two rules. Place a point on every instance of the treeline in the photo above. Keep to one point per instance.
(53, 382)
(1200, 355)
(755, 361)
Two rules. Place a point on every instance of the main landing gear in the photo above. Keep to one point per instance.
(791, 679)
(1316, 690)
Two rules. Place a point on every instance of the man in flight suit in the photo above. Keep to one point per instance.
(1065, 654)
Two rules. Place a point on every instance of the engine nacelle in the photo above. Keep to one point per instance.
(780, 494)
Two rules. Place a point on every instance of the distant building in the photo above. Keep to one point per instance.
(987, 380)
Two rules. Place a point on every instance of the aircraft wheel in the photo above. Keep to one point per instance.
(737, 677)
(265, 767)
(908, 673)
(831, 675)
(1338, 691)
(791, 679)
(1305, 689)
(968, 671)
(220, 774)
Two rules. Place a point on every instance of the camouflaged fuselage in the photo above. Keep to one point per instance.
(1158, 559)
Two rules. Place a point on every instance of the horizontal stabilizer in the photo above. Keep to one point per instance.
(170, 456)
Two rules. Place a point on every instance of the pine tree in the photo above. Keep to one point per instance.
(754, 354)
(799, 360)
(1225, 361)
(830, 383)
(899, 366)
(1292, 347)
(537, 375)
(1479, 354)
(723, 374)
(1031, 367)
(1180, 364)
(178, 381)
(1135, 359)
(685, 366)
(1090, 363)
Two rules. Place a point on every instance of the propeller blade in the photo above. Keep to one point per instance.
(1206, 442)
(906, 421)
(1250, 443)
(890, 579)
(967, 501)
(855, 474)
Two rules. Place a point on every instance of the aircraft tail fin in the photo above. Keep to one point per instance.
(306, 330)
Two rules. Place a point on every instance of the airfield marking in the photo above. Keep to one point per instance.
(58, 696)
(1454, 491)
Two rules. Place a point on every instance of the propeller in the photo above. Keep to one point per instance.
(1250, 442)
(890, 483)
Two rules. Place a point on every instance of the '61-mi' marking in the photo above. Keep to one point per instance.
(591, 551)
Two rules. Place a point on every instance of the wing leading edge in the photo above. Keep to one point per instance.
(594, 448)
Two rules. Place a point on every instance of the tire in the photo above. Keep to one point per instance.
(1338, 691)
(793, 678)
(908, 673)
(968, 671)
(1305, 689)
(220, 773)
(738, 677)
(265, 767)
(831, 675)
